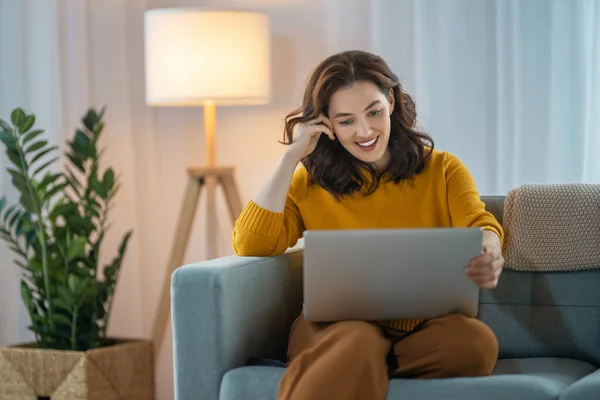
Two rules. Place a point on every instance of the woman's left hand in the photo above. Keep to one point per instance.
(485, 269)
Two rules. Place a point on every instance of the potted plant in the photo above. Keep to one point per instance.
(56, 230)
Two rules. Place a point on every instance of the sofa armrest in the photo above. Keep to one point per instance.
(227, 310)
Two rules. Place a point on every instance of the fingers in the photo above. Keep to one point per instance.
(321, 119)
(485, 271)
(326, 130)
(488, 257)
(324, 124)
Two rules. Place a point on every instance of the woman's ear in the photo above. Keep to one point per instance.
(391, 99)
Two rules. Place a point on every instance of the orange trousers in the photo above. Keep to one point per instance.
(354, 359)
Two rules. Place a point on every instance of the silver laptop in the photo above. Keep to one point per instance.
(389, 273)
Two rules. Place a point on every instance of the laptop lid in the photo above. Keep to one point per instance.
(381, 274)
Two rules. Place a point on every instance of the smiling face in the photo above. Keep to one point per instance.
(360, 115)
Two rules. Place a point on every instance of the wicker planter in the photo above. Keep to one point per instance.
(121, 371)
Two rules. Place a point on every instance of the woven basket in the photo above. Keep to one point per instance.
(122, 371)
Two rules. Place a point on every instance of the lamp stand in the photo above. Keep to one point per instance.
(198, 177)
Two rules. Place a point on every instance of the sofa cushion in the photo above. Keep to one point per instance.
(531, 379)
(585, 389)
(545, 314)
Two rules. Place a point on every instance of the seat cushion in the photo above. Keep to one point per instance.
(584, 389)
(531, 379)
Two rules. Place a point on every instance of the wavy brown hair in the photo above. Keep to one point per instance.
(330, 165)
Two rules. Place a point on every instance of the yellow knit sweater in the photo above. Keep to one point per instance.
(442, 195)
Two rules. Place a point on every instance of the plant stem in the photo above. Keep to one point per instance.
(40, 231)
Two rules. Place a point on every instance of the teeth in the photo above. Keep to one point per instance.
(367, 144)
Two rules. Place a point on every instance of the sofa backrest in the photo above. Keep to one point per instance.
(543, 313)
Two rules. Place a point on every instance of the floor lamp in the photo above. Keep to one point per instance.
(199, 57)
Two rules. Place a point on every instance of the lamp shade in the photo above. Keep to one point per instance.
(197, 56)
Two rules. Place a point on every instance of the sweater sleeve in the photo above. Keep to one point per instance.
(260, 232)
(464, 203)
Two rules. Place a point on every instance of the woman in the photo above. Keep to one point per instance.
(364, 165)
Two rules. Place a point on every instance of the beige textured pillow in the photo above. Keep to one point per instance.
(552, 227)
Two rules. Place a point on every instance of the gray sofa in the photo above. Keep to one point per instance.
(227, 310)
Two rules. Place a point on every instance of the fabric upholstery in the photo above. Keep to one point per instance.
(228, 310)
(552, 227)
(587, 388)
(544, 314)
(531, 379)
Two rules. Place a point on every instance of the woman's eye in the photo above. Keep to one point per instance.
(346, 122)
(375, 112)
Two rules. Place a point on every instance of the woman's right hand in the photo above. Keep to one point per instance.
(306, 135)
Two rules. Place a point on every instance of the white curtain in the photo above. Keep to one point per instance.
(59, 58)
(510, 86)
(29, 78)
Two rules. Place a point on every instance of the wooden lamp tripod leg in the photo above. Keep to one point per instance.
(180, 243)
(211, 178)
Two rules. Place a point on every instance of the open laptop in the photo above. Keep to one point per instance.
(385, 274)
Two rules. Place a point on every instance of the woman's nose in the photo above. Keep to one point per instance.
(364, 130)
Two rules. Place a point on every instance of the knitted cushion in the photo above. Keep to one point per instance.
(552, 227)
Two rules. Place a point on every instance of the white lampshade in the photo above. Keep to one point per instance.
(196, 56)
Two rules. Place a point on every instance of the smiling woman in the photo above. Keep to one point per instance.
(374, 121)
(366, 166)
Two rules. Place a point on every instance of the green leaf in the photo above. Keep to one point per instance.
(24, 224)
(72, 176)
(9, 212)
(28, 203)
(32, 135)
(46, 165)
(67, 296)
(98, 187)
(95, 205)
(61, 303)
(2, 203)
(54, 191)
(19, 181)
(91, 211)
(42, 154)
(49, 179)
(35, 264)
(108, 181)
(17, 117)
(27, 124)
(5, 126)
(91, 119)
(31, 237)
(36, 146)
(14, 219)
(76, 162)
(79, 225)
(26, 296)
(90, 291)
(77, 248)
(61, 319)
(83, 146)
(76, 284)
(18, 251)
(49, 333)
(8, 139)
(21, 265)
(15, 157)
(62, 209)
